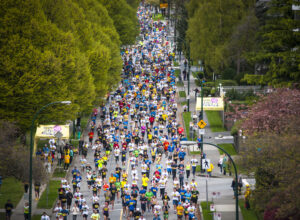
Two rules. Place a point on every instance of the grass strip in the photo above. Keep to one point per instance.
(179, 84)
(182, 94)
(195, 152)
(59, 173)
(227, 147)
(157, 17)
(177, 73)
(176, 63)
(11, 189)
(187, 118)
(215, 121)
(37, 217)
(52, 195)
(183, 103)
(207, 214)
(248, 214)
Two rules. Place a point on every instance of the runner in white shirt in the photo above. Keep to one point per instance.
(85, 210)
(176, 196)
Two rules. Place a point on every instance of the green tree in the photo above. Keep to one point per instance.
(210, 29)
(124, 18)
(278, 39)
(133, 3)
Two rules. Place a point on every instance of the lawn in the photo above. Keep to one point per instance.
(207, 214)
(11, 189)
(229, 149)
(52, 195)
(182, 94)
(247, 214)
(215, 121)
(59, 173)
(157, 17)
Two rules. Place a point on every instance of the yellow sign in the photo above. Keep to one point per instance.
(210, 103)
(201, 124)
(163, 5)
(49, 131)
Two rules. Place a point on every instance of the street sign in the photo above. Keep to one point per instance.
(163, 5)
(201, 131)
(214, 195)
(205, 164)
(217, 216)
(201, 124)
(58, 135)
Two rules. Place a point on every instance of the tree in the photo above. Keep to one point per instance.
(275, 161)
(124, 18)
(210, 30)
(56, 50)
(14, 158)
(273, 113)
(133, 3)
(272, 153)
(278, 39)
(242, 40)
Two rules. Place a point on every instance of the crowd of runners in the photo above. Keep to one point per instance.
(137, 130)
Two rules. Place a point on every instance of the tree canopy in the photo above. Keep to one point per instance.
(59, 50)
(259, 40)
(271, 152)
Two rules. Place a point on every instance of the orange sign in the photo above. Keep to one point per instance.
(163, 5)
(201, 124)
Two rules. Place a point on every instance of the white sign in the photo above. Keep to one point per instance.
(214, 195)
(205, 164)
(212, 208)
(217, 216)
(201, 131)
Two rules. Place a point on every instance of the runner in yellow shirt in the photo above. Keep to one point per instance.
(180, 211)
(145, 181)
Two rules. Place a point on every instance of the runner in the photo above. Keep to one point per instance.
(132, 151)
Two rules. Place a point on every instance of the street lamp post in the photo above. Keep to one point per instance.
(202, 112)
(31, 149)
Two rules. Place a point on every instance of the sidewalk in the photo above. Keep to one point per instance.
(225, 204)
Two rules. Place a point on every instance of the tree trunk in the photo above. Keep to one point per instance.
(238, 63)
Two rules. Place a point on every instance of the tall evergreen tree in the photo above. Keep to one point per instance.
(279, 40)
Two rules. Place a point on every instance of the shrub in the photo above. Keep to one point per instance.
(233, 94)
(227, 82)
(228, 73)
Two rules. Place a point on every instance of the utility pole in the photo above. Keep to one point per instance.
(189, 71)
(201, 144)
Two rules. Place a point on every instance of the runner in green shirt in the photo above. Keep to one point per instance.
(118, 186)
(136, 153)
(149, 196)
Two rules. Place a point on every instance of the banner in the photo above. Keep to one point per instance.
(49, 131)
(210, 103)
